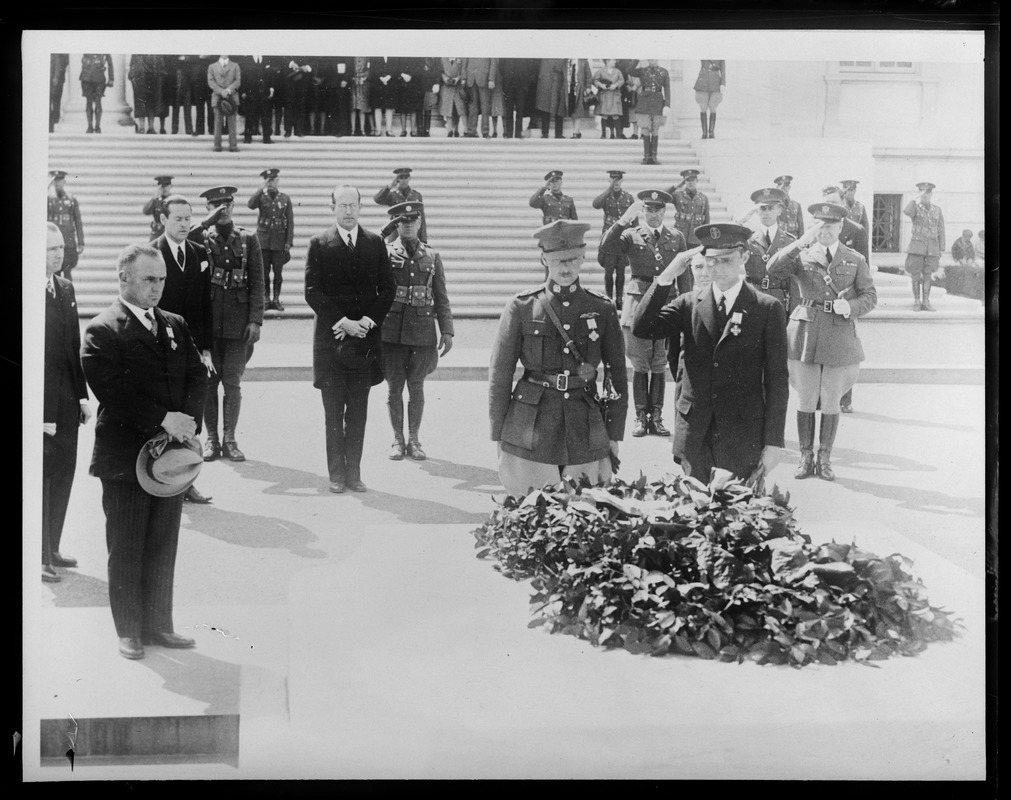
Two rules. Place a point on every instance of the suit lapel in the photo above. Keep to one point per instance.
(706, 305)
(133, 328)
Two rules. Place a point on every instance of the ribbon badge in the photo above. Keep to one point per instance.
(591, 323)
(735, 323)
(171, 336)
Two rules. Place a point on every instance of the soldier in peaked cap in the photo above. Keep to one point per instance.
(275, 230)
(411, 345)
(64, 211)
(735, 386)
(835, 288)
(155, 207)
(614, 201)
(399, 191)
(567, 337)
(792, 218)
(236, 268)
(550, 200)
(768, 237)
(691, 207)
(853, 235)
(926, 243)
(855, 210)
(649, 246)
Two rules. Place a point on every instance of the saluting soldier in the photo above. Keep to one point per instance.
(691, 206)
(652, 107)
(614, 201)
(399, 191)
(411, 345)
(236, 266)
(649, 247)
(550, 423)
(925, 245)
(156, 208)
(792, 218)
(765, 241)
(853, 235)
(64, 211)
(551, 201)
(275, 229)
(855, 210)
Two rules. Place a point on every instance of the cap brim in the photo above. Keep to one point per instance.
(158, 489)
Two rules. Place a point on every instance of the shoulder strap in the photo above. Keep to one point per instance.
(545, 302)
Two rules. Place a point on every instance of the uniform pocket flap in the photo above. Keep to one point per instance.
(535, 327)
(529, 393)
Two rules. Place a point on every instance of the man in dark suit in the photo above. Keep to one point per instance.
(259, 76)
(350, 286)
(65, 405)
(735, 384)
(144, 369)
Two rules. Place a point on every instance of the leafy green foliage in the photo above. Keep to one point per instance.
(675, 566)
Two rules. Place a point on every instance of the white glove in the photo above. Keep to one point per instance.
(841, 306)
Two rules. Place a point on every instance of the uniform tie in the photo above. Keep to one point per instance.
(768, 239)
(828, 257)
(656, 236)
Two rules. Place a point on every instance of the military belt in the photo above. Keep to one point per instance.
(418, 296)
(821, 305)
(558, 381)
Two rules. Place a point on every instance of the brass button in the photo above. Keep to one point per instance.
(566, 326)
(565, 349)
(566, 395)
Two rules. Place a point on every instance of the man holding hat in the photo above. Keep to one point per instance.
(567, 337)
(155, 207)
(411, 346)
(237, 296)
(143, 367)
(552, 203)
(734, 387)
(63, 209)
(224, 78)
(835, 288)
(767, 239)
(649, 247)
(614, 201)
(399, 191)
(792, 218)
(691, 206)
(275, 230)
(926, 243)
(855, 210)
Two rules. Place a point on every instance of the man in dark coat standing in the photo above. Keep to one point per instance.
(350, 286)
(260, 75)
(735, 384)
(144, 369)
(65, 398)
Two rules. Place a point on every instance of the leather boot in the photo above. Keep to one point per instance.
(925, 305)
(653, 142)
(705, 130)
(916, 294)
(640, 399)
(826, 437)
(415, 409)
(645, 149)
(395, 404)
(212, 447)
(277, 297)
(805, 434)
(657, 385)
(229, 448)
(641, 425)
(712, 124)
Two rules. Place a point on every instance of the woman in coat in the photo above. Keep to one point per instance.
(382, 93)
(360, 107)
(608, 80)
(580, 83)
(146, 73)
(96, 75)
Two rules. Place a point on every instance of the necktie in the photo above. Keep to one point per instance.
(51, 289)
(351, 244)
(828, 257)
(656, 236)
(768, 239)
(151, 324)
(181, 257)
(721, 313)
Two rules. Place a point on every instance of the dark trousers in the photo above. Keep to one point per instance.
(229, 358)
(142, 534)
(409, 365)
(546, 125)
(257, 118)
(345, 410)
(714, 452)
(200, 93)
(514, 104)
(55, 101)
(59, 463)
(182, 102)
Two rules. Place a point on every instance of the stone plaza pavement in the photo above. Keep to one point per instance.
(357, 636)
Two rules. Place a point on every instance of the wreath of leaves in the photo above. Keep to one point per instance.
(676, 566)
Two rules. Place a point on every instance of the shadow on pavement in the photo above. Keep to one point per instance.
(76, 590)
(914, 499)
(198, 677)
(915, 423)
(250, 530)
(870, 461)
(283, 480)
(471, 478)
(417, 511)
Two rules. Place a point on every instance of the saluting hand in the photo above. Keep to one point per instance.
(810, 234)
(678, 265)
(631, 213)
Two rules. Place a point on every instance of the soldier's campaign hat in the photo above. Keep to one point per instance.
(163, 180)
(925, 186)
(555, 173)
(783, 179)
(166, 468)
(689, 173)
(722, 236)
(562, 234)
(57, 173)
(655, 197)
(411, 209)
(830, 212)
(402, 171)
(849, 183)
(219, 195)
(616, 173)
(769, 195)
(267, 174)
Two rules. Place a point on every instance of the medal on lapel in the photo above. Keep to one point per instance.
(735, 323)
(591, 323)
(171, 337)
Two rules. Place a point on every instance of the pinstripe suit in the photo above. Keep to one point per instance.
(137, 380)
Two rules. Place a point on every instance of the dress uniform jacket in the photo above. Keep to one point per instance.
(236, 266)
(613, 205)
(154, 208)
(793, 218)
(855, 238)
(420, 298)
(96, 69)
(858, 214)
(755, 267)
(65, 213)
(928, 229)
(690, 211)
(553, 206)
(187, 291)
(654, 91)
(646, 259)
(740, 381)
(817, 336)
(275, 226)
(556, 425)
(391, 197)
(712, 76)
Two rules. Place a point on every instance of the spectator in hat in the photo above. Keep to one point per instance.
(613, 201)
(480, 77)
(629, 96)
(549, 425)
(836, 288)
(235, 263)
(768, 238)
(224, 78)
(453, 94)
(792, 218)
(411, 346)
(155, 207)
(652, 107)
(260, 76)
(855, 210)
(146, 373)
(649, 246)
(608, 81)
(383, 93)
(96, 76)
(735, 386)
(709, 93)
(580, 89)
(691, 207)
(399, 191)
(275, 230)
(410, 95)
(926, 243)
(430, 75)
(360, 106)
(63, 209)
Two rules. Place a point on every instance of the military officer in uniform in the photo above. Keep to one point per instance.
(155, 207)
(792, 218)
(691, 207)
(552, 203)
(236, 266)
(550, 423)
(925, 244)
(411, 346)
(853, 235)
(766, 240)
(855, 210)
(275, 230)
(652, 107)
(649, 247)
(63, 209)
(399, 191)
(824, 355)
(614, 201)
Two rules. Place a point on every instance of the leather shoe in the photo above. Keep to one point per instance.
(414, 451)
(846, 409)
(169, 639)
(60, 560)
(231, 451)
(357, 486)
(396, 451)
(337, 487)
(49, 575)
(193, 496)
(131, 648)
(212, 450)
(278, 305)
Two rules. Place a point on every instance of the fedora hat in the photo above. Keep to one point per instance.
(227, 106)
(166, 468)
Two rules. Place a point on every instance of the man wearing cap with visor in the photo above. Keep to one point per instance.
(792, 218)
(835, 288)
(399, 191)
(614, 201)
(411, 346)
(649, 247)
(567, 338)
(735, 386)
(855, 210)
(275, 230)
(551, 201)
(926, 243)
(768, 238)
(691, 207)
(64, 211)
(155, 207)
